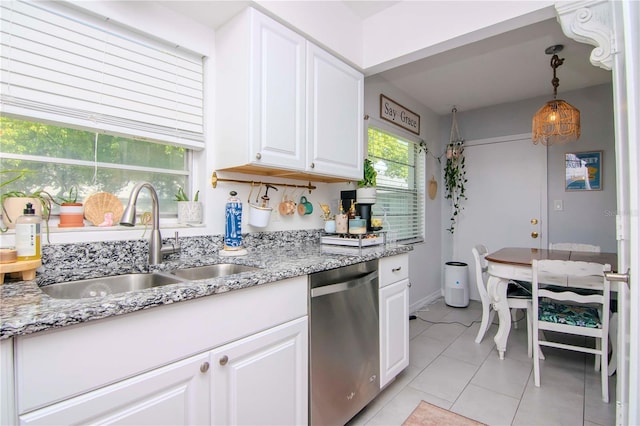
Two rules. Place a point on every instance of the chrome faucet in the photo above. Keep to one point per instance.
(156, 249)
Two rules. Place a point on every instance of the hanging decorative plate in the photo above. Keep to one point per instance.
(103, 209)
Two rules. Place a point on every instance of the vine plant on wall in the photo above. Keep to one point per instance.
(455, 175)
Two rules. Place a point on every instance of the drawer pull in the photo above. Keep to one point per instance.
(204, 367)
(224, 360)
(396, 269)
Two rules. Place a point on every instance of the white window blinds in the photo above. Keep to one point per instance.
(400, 184)
(67, 67)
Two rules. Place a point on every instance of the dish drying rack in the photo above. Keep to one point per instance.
(355, 240)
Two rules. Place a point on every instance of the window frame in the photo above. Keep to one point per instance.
(418, 234)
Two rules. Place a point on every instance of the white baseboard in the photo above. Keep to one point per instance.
(413, 307)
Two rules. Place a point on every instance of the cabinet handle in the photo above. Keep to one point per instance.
(313, 165)
(204, 367)
(258, 156)
(409, 284)
(396, 269)
(224, 360)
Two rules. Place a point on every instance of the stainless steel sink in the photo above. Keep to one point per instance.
(212, 271)
(99, 287)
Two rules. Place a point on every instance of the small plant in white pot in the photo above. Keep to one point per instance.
(189, 212)
(71, 211)
(366, 192)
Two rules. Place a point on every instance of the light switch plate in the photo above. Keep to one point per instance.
(557, 205)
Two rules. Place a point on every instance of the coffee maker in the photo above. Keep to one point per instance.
(363, 210)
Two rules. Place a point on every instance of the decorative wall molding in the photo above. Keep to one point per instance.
(590, 22)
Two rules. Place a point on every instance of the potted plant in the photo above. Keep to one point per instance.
(455, 178)
(14, 202)
(71, 211)
(189, 212)
(366, 192)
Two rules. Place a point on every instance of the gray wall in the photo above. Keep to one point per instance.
(588, 216)
(424, 260)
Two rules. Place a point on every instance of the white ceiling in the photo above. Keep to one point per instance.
(504, 68)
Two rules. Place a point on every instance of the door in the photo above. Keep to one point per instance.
(626, 84)
(335, 118)
(262, 379)
(394, 330)
(277, 91)
(177, 394)
(507, 204)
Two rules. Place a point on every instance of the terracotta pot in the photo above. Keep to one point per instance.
(14, 208)
(71, 215)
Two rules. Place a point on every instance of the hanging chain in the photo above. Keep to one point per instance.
(555, 63)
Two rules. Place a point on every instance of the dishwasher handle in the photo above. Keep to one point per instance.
(344, 285)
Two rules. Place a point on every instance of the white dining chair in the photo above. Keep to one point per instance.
(565, 311)
(518, 300)
(574, 247)
(613, 323)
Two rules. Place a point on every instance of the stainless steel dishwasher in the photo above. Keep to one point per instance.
(344, 353)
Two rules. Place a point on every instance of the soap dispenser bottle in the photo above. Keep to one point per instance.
(28, 238)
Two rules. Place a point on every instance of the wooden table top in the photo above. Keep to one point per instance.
(521, 256)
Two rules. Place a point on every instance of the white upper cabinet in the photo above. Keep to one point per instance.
(335, 115)
(276, 95)
(284, 106)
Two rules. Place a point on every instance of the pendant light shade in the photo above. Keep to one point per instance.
(557, 122)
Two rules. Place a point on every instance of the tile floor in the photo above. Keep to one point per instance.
(447, 368)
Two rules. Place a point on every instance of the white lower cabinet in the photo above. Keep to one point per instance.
(394, 317)
(177, 394)
(262, 379)
(190, 363)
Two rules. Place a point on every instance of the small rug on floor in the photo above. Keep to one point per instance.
(426, 414)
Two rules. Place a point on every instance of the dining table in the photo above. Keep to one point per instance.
(514, 263)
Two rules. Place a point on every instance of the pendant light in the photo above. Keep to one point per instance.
(557, 122)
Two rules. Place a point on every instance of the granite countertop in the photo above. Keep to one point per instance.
(25, 309)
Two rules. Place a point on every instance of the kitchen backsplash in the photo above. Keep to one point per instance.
(132, 254)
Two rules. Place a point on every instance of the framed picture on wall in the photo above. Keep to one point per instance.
(583, 171)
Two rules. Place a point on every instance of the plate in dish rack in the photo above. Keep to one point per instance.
(102, 208)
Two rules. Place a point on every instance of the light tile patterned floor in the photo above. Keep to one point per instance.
(448, 369)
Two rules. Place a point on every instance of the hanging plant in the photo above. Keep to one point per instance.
(455, 175)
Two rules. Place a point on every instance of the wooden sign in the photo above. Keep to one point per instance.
(400, 116)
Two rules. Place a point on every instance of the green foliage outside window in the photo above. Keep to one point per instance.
(92, 164)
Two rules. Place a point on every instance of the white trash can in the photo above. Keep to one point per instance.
(456, 284)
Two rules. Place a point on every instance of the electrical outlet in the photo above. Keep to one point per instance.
(557, 205)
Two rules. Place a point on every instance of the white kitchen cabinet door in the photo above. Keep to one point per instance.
(262, 379)
(394, 330)
(260, 95)
(177, 394)
(277, 95)
(335, 121)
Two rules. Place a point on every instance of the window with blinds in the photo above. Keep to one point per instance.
(67, 67)
(89, 103)
(400, 195)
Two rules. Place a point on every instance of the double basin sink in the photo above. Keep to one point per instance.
(100, 287)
